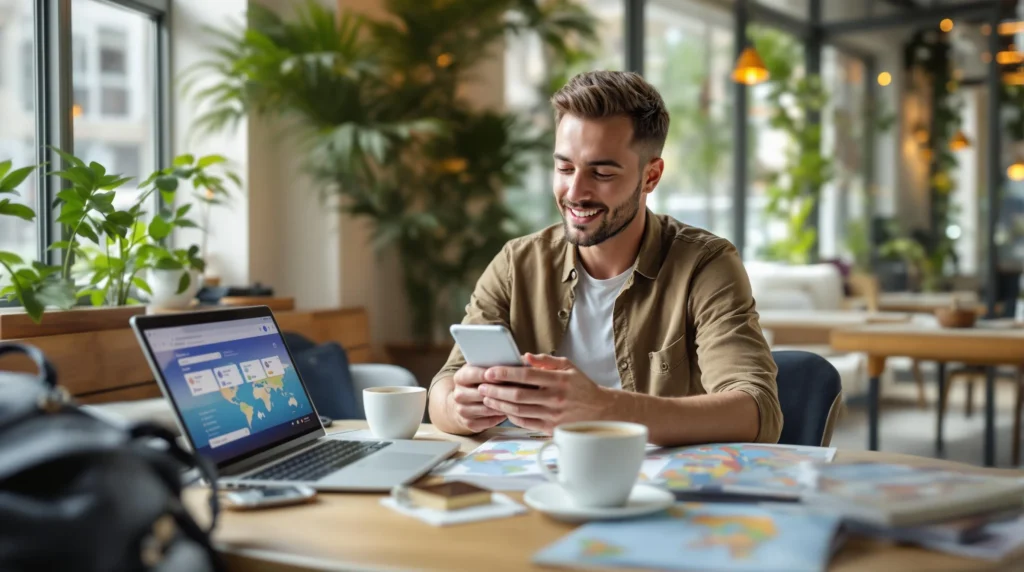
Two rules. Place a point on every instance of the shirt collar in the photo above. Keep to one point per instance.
(648, 260)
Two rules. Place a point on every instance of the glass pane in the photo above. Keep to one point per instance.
(770, 146)
(843, 120)
(525, 71)
(114, 85)
(688, 56)
(18, 121)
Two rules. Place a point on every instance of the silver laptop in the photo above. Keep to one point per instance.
(240, 402)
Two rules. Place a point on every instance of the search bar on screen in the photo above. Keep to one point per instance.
(191, 360)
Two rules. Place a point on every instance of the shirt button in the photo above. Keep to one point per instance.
(623, 364)
(572, 274)
(664, 366)
(563, 314)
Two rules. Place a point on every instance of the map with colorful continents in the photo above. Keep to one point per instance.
(755, 467)
(257, 399)
(702, 537)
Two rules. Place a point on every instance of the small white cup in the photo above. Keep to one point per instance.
(394, 412)
(598, 461)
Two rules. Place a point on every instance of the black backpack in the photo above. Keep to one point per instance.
(80, 493)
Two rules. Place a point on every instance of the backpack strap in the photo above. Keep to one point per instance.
(47, 375)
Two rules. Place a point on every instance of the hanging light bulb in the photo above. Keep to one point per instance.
(946, 25)
(1016, 171)
(959, 142)
(921, 134)
(750, 69)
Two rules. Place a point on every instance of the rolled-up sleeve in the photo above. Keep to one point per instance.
(490, 303)
(731, 350)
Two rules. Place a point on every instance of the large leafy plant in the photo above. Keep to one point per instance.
(378, 103)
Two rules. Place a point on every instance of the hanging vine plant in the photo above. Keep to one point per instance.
(930, 51)
(794, 190)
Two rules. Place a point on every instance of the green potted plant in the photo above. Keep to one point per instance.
(378, 102)
(113, 257)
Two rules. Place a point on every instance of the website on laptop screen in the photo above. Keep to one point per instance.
(233, 384)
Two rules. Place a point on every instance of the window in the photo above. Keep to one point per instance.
(844, 198)
(112, 51)
(27, 59)
(525, 72)
(770, 146)
(17, 126)
(689, 53)
(113, 76)
(116, 91)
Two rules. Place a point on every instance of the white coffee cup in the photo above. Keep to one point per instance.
(598, 461)
(394, 412)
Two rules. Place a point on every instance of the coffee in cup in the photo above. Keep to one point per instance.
(394, 412)
(598, 461)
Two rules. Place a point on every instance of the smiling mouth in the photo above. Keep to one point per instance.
(582, 216)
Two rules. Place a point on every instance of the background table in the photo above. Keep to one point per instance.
(353, 532)
(974, 346)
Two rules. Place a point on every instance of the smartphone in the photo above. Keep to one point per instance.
(250, 498)
(487, 345)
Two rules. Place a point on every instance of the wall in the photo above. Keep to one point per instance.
(228, 241)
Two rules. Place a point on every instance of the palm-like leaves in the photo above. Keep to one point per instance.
(384, 122)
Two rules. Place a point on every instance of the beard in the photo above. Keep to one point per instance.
(612, 223)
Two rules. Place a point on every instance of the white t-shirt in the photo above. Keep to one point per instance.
(589, 341)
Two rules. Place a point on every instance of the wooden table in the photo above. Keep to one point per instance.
(927, 302)
(353, 532)
(815, 326)
(974, 346)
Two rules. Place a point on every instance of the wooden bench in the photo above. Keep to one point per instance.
(107, 365)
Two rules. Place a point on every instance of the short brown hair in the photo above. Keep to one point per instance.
(599, 94)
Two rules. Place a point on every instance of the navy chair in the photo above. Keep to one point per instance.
(810, 394)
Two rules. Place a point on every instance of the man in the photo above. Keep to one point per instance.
(626, 315)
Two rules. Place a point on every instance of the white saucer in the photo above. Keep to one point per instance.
(553, 501)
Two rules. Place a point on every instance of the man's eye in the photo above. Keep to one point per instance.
(603, 175)
(565, 170)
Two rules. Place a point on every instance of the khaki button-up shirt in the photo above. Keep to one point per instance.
(684, 324)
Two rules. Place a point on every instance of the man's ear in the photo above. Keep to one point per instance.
(652, 173)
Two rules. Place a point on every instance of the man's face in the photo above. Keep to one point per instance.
(599, 183)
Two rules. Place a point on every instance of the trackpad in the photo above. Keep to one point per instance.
(396, 461)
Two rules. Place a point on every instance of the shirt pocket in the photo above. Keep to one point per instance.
(669, 359)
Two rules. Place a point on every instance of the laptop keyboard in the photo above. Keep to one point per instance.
(319, 461)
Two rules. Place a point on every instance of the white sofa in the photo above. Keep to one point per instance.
(812, 289)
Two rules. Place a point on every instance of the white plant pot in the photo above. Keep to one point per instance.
(164, 284)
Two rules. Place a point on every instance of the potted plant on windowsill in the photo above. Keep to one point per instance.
(109, 253)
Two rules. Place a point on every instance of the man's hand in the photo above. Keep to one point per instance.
(466, 404)
(563, 393)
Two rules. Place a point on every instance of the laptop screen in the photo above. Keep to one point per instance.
(234, 386)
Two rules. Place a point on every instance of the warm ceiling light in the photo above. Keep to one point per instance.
(76, 110)
(749, 68)
(1016, 171)
(959, 142)
(884, 79)
(946, 25)
(1010, 28)
(921, 134)
(1014, 77)
(444, 60)
(1009, 58)
(986, 57)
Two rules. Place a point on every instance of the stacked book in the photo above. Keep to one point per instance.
(972, 515)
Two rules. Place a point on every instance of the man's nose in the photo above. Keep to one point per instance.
(578, 190)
